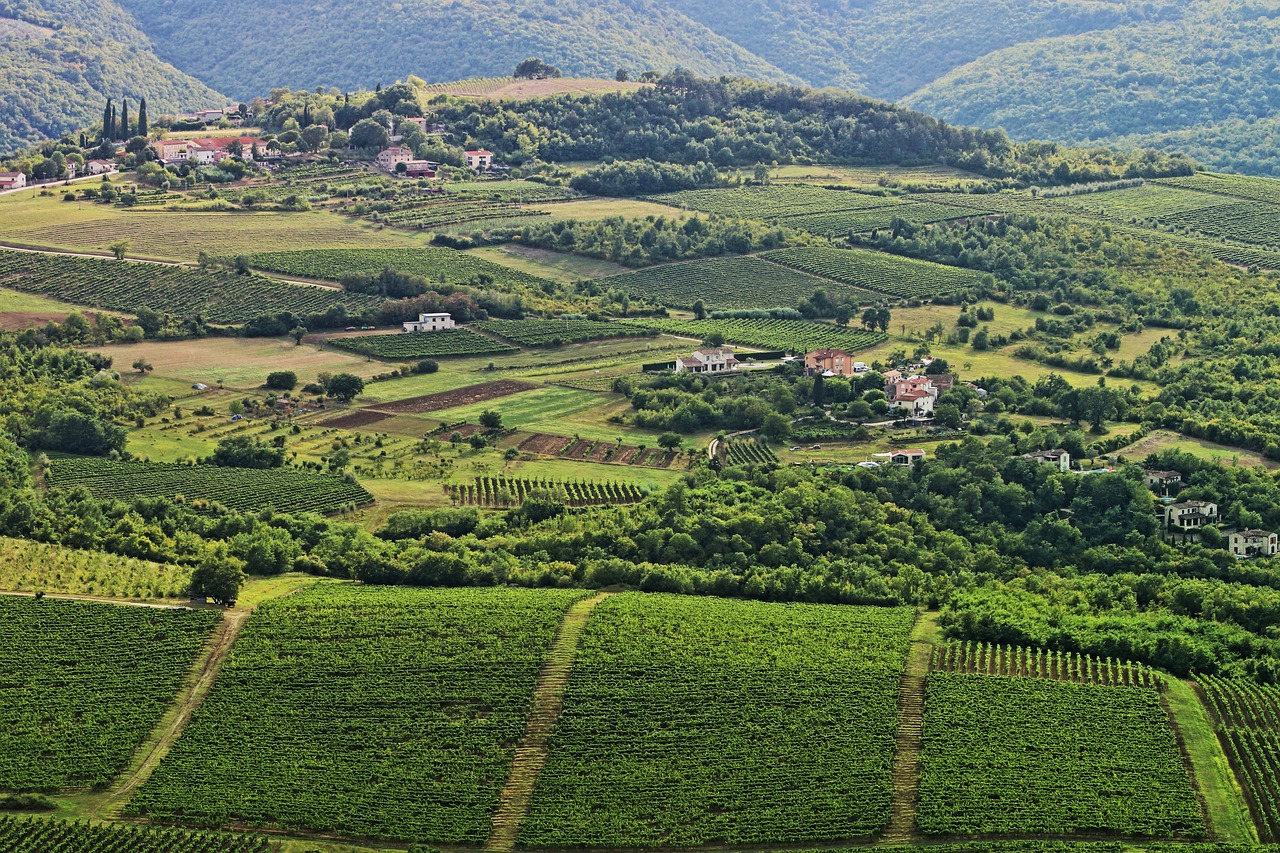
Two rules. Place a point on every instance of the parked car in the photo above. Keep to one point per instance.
(815, 447)
(795, 447)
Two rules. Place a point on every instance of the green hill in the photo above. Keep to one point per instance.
(61, 59)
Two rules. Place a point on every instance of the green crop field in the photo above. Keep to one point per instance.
(1246, 221)
(28, 835)
(84, 684)
(442, 344)
(541, 333)
(512, 491)
(1034, 756)
(877, 271)
(436, 265)
(796, 336)
(284, 489)
(691, 721)
(1236, 186)
(36, 567)
(1149, 201)
(726, 283)
(370, 711)
(218, 297)
(1247, 717)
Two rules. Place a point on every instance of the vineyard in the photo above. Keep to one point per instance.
(27, 835)
(691, 722)
(442, 344)
(434, 212)
(444, 266)
(523, 192)
(541, 333)
(725, 283)
(376, 712)
(508, 492)
(794, 336)
(245, 489)
(36, 567)
(973, 658)
(1035, 756)
(1236, 186)
(218, 297)
(889, 274)
(1247, 716)
(84, 684)
(749, 452)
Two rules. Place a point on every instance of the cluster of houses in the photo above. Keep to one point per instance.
(1183, 520)
(211, 151)
(231, 114)
(391, 159)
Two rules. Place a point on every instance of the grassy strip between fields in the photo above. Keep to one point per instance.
(1228, 816)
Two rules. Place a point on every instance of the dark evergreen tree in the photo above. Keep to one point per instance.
(142, 118)
(108, 119)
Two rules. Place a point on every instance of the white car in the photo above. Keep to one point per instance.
(868, 464)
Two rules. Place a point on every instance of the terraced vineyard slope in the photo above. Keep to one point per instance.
(285, 489)
(1032, 756)
(367, 711)
(690, 722)
(84, 684)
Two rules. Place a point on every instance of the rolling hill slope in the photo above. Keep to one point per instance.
(60, 60)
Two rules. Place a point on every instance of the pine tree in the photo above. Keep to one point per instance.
(124, 119)
(142, 118)
(108, 129)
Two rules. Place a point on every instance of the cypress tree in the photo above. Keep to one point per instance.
(108, 131)
(142, 118)
(124, 119)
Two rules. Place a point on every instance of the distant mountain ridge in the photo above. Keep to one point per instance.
(1201, 76)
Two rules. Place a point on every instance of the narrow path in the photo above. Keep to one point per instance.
(157, 746)
(906, 756)
(104, 599)
(548, 701)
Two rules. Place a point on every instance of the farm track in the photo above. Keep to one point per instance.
(548, 701)
(99, 599)
(209, 664)
(906, 756)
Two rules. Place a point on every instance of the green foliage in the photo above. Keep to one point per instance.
(441, 344)
(645, 177)
(92, 681)
(241, 488)
(258, 752)
(36, 567)
(793, 336)
(239, 451)
(1029, 756)
(753, 697)
(1246, 722)
(20, 833)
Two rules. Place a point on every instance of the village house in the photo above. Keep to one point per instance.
(420, 169)
(1058, 458)
(12, 180)
(1252, 543)
(708, 361)
(251, 147)
(829, 362)
(171, 150)
(1190, 516)
(430, 323)
(480, 160)
(207, 155)
(99, 167)
(914, 396)
(1164, 483)
(906, 458)
(388, 158)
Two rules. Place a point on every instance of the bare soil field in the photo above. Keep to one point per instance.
(357, 419)
(468, 396)
(545, 444)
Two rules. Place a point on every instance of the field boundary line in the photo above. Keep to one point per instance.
(194, 692)
(906, 755)
(548, 702)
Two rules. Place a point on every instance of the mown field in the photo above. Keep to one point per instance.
(246, 489)
(1033, 756)
(84, 684)
(37, 567)
(702, 721)
(372, 712)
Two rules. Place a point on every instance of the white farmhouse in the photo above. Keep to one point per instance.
(708, 361)
(430, 323)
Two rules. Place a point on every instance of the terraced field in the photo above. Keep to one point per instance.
(728, 283)
(375, 712)
(690, 722)
(84, 684)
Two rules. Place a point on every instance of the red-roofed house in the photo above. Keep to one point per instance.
(479, 160)
(12, 180)
(829, 362)
(388, 158)
(248, 144)
(99, 167)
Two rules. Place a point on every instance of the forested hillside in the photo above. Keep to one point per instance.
(1202, 82)
(61, 59)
